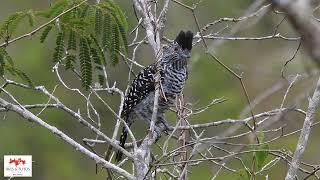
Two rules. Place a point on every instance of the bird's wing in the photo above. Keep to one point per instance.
(140, 87)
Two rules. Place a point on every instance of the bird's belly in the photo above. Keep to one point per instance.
(144, 109)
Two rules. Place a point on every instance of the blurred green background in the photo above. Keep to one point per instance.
(260, 62)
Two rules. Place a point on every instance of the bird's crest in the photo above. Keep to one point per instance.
(184, 39)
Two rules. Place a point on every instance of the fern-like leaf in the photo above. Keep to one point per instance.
(6, 56)
(98, 59)
(31, 16)
(2, 64)
(95, 57)
(16, 72)
(91, 17)
(97, 46)
(124, 40)
(70, 61)
(98, 22)
(25, 77)
(10, 25)
(79, 23)
(85, 63)
(106, 31)
(114, 45)
(101, 79)
(84, 11)
(72, 43)
(119, 15)
(45, 33)
(123, 18)
(55, 9)
(59, 49)
(117, 21)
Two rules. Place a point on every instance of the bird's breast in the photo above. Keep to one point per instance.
(174, 80)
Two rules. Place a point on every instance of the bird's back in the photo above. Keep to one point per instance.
(140, 88)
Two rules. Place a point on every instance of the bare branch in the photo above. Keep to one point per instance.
(299, 13)
(304, 136)
(31, 117)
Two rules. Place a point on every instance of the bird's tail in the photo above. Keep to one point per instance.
(184, 39)
(122, 140)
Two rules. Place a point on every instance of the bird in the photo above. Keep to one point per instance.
(139, 99)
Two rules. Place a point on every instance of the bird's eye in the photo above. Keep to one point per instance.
(176, 48)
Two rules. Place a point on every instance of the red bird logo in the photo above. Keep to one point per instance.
(17, 161)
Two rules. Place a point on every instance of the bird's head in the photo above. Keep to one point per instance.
(179, 49)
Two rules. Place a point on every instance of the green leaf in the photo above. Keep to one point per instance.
(97, 46)
(243, 174)
(85, 63)
(6, 56)
(21, 74)
(25, 77)
(45, 33)
(59, 49)
(101, 79)
(84, 11)
(10, 25)
(114, 45)
(117, 13)
(106, 31)
(55, 9)
(124, 38)
(122, 17)
(72, 43)
(260, 136)
(31, 16)
(91, 17)
(69, 16)
(98, 64)
(262, 155)
(79, 23)
(95, 57)
(2, 64)
(98, 22)
(70, 61)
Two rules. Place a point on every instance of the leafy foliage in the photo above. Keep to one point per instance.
(55, 9)
(262, 155)
(243, 174)
(114, 45)
(72, 43)
(98, 21)
(60, 49)
(100, 28)
(45, 33)
(6, 64)
(2, 64)
(85, 35)
(85, 63)
(11, 23)
(70, 61)
(114, 31)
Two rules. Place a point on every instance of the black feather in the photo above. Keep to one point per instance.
(188, 40)
(180, 39)
(140, 87)
(122, 140)
(185, 40)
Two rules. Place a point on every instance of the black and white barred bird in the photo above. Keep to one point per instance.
(139, 100)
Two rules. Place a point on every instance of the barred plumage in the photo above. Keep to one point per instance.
(139, 100)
